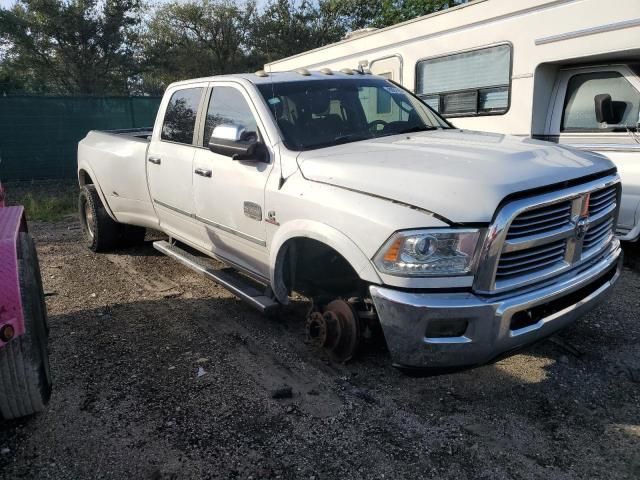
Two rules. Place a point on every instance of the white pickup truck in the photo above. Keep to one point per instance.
(346, 188)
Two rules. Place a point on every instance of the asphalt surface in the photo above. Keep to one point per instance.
(161, 374)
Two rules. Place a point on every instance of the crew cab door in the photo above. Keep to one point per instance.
(229, 194)
(572, 121)
(170, 160)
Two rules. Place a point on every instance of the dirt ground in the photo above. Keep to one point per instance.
(161, 374)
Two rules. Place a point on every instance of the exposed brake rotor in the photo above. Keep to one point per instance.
(336, 330)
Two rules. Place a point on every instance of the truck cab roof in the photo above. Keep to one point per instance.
(262, 77)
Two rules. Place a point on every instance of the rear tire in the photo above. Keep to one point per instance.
(100, 231)
(25, 378)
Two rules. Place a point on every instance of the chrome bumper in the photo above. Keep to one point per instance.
(405, 316)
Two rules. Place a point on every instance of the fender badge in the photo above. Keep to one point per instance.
(271, 218)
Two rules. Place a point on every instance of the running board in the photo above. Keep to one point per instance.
(232, 282)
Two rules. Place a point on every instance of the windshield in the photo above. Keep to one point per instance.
(322, 113)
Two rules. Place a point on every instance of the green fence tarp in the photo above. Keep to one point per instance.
(39, 135)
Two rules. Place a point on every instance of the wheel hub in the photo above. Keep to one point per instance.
(336, 330)
(88, 217)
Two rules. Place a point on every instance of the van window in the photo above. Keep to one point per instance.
(579, 106)
(466, 84)
(180, 116)
(228, 105)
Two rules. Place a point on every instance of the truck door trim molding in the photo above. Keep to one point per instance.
(608, 27)
(171, 207)
(224, 228)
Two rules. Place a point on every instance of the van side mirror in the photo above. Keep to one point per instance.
(604, 108)
(237, 142)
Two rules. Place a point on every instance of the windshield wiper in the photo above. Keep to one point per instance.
(417, 128)
(352, 137)
(338, 141)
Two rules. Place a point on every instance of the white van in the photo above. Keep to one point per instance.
(567, 71)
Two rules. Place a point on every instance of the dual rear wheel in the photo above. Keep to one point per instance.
(101, 232)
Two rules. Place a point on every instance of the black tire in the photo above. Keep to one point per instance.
(25, 378)
(100, 231)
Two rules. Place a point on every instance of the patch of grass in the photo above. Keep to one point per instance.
(46, 201)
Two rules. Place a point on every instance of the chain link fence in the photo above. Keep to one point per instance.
(39, 135)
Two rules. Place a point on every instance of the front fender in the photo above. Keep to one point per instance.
(323, 233)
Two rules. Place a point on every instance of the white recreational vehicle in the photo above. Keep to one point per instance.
(567, 71)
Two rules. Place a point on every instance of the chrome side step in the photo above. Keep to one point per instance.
(225, 277)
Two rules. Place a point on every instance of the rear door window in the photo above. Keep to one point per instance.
(579, 106)
(180, 117)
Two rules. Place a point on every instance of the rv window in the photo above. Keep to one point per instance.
(465, 84)
(579, 107)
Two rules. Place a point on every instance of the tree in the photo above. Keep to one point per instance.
(286, 28)
(71, 46)
(197, 38)
(383, 13)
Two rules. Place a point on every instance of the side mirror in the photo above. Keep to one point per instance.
(604, 108)
(237, 142)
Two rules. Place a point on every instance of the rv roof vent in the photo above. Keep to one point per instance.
(261, 73)
(348, 71)
(303, 71)
(326, 71)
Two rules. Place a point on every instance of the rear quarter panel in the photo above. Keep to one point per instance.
(117, 166)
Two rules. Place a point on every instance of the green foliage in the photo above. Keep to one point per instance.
(286, 28)
(73, 47)
(383, 13)
(195, 39)
(48, 203)
(110, 47)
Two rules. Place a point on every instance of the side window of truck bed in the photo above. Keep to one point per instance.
(579, 105)
(180, 117)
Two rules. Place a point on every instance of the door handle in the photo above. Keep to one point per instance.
(202, 172)
(155, 160)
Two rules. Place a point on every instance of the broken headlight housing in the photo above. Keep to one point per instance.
(427, 253)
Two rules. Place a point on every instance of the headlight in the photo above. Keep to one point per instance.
(423, 253)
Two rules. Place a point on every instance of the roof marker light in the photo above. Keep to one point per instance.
(348, 71)
(303, 71)
(261, 73)
(326, 71)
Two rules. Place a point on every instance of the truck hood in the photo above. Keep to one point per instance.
(460, 175)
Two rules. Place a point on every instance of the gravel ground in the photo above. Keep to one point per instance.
(162, 374)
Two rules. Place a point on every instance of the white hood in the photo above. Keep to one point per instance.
(462, 176)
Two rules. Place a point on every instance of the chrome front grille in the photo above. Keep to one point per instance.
(541, 220)
(602, 199)
(530, 260)
(536, 238)
(595, 237)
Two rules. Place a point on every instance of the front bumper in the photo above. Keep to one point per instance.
(406, 316)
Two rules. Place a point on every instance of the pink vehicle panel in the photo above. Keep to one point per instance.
(12, 221)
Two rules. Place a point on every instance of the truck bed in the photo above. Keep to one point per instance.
(142, 134)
